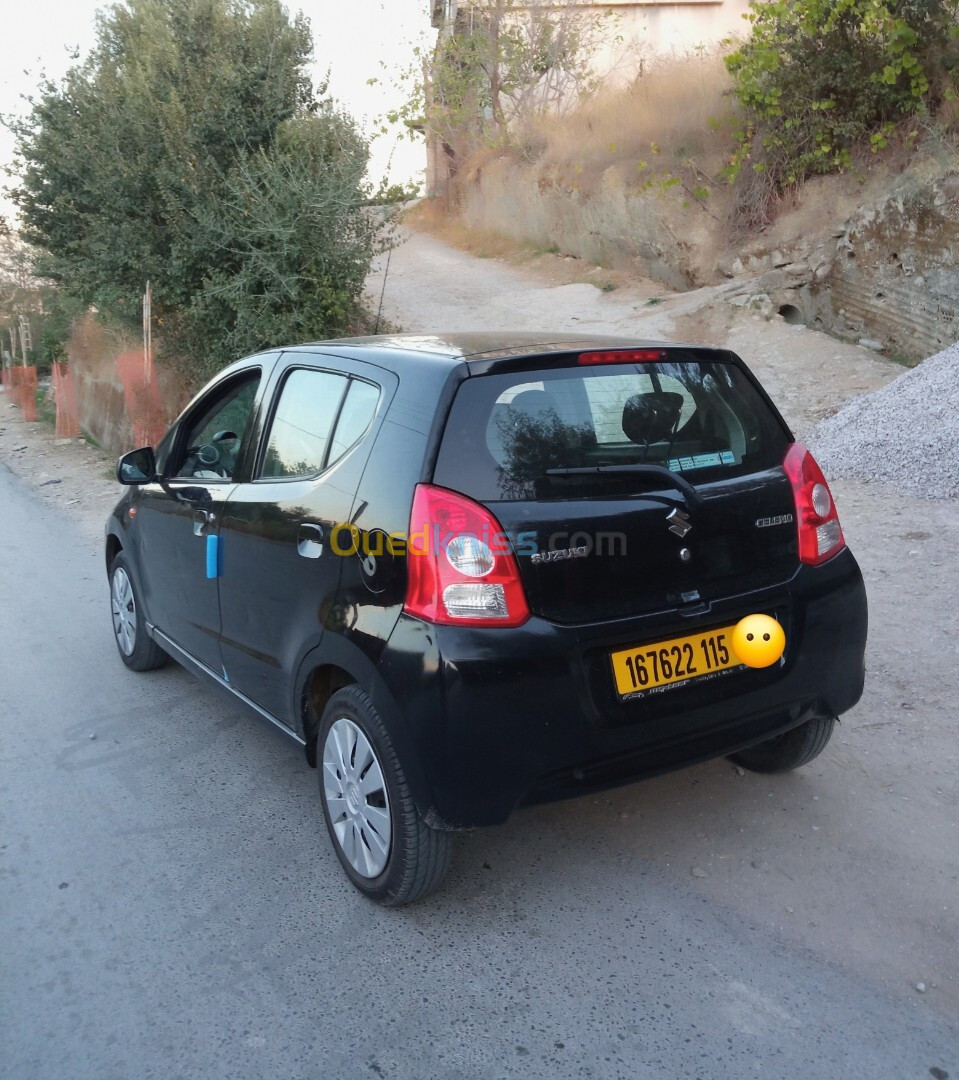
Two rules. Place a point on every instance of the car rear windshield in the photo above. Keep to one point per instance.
(587, 431)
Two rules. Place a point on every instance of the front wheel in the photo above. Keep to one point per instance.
(389, 853)
(789, 750)
(137, 649)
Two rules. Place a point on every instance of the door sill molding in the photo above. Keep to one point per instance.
(201, 668)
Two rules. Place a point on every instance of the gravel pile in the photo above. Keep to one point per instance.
(907, 433)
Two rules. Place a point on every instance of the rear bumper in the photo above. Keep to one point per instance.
(502, 717)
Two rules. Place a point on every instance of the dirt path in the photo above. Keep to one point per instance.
(434, 287)
(855, 858)
(68, 473)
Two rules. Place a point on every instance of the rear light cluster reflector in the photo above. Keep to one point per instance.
(475, 602)
(622, 356)
(460, 564)
(820, 534)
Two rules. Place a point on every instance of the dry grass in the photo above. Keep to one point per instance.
(676, 111)
(947, 115)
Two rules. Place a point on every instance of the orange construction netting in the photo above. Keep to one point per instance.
(65, 397)
(20, 384)
(142, 395)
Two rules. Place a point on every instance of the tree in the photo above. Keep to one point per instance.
(292, 240)
(25, 296)
(18, 285)
(817, 76)
(502, 65)
(21, 294)
(139, 166)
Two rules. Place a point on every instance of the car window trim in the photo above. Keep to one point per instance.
(356, 442)
(336, 419)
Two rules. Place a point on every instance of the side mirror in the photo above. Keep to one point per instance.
(137, 467)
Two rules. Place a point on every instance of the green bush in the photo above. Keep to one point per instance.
(291, 245)
(817, 77)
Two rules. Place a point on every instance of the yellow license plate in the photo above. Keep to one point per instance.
(677, 660)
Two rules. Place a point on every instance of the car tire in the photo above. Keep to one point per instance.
(137, 649)
(789, 750)
(388, 852)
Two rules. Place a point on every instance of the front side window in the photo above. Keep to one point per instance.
(212, 443)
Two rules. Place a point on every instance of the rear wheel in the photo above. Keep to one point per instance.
(389, 853)
(137, 649)
(789, 750)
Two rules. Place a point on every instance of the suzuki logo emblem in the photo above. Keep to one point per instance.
(679, 522)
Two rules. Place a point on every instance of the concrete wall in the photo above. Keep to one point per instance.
(659, 29)
(101, 408)
(102, 405)
(888, 276)
(674, 26)
(609, 225)
(895, 273)
(887, 271)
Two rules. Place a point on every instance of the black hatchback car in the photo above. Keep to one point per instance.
(471, 571)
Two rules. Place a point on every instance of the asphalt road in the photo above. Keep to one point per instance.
(171, 906)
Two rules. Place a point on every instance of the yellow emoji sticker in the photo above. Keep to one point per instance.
(758, 640)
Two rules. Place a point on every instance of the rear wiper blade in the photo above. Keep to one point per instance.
(657, 472)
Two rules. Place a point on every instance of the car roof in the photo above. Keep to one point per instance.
(489, 344)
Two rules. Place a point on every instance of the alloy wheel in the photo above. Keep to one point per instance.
(356, 798)
(124, 609)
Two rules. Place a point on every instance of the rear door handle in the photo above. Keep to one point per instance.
(309, 541)
(201, 519)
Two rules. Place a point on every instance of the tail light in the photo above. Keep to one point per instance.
(820, 534)
(461, 566)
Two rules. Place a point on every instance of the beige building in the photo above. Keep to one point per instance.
(644, 30)
(681, 26)
(677, 26)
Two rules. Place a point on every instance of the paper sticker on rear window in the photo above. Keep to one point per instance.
(702, 461)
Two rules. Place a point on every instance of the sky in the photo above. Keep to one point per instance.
(350, 38)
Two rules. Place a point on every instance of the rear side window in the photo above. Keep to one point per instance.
(560, 434)
(319, 416)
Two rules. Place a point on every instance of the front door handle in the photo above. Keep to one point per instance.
(201, 519)
(309, 541)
